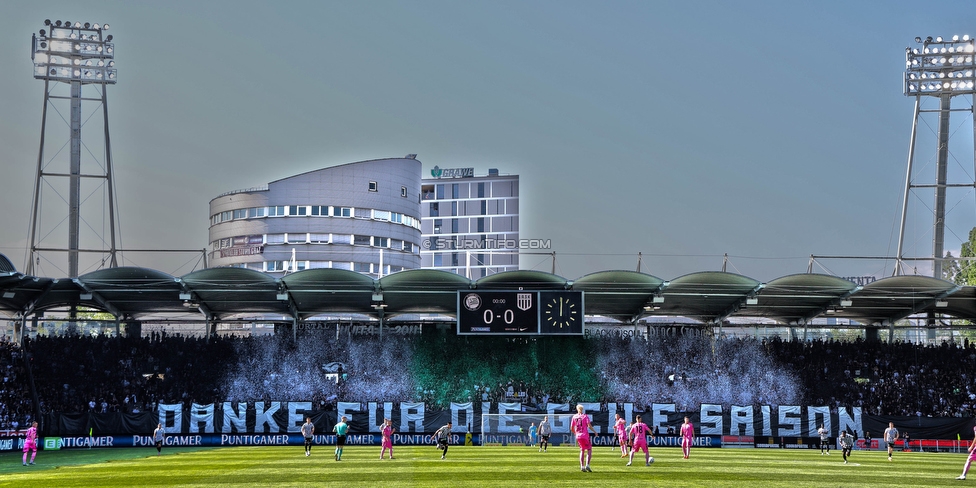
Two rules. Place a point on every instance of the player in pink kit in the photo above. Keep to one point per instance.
(30, 443)
(581, 426)
(387, 442)
(972, 456)
(620, 427)
(638, 434)
(687, 437)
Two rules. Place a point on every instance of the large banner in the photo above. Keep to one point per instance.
(267, 421)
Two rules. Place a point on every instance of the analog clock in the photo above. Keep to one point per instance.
(562, 312)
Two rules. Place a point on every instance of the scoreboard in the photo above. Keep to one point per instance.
(520, 312)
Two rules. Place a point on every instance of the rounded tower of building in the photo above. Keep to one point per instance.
(362, 216)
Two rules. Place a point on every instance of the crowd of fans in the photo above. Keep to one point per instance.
(899, 378)
(15, 398)
(123, 374)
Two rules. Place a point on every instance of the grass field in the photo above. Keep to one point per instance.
(473, 467)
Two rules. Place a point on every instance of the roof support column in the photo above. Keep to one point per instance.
(19, 327)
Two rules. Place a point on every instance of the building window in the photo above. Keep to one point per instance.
(455, 190)
(381, 215)
(343, 212)
(435, 209)
(381, 241)
(276, 211)
(276, 239)
(438, 259)
(358, 240)
(481, 224)
(318, 238)
(403, 191)
(372, 186)
(361, 267)
(454, 226)
(440, 191)
(256, 212)
(481, 190)
(437, 225)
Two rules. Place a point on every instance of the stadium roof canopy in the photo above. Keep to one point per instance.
(131, 293)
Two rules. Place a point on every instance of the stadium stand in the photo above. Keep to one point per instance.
(121, 374)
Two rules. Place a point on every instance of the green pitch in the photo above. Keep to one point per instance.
(473, 467)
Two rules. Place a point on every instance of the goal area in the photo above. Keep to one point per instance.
(507, 429)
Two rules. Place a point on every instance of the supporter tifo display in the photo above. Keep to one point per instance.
(278, 423)
(287, 417)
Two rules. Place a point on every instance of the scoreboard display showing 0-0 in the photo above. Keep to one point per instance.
(498, 312)
(519, 312)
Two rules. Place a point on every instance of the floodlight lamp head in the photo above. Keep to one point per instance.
(928, 39)
(58, 24)
(108, 38)
(47, 21)
(938, 39)
(918, 39)
(88, 25)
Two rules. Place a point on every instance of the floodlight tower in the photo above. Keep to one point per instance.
(941, 69)
(69, 56)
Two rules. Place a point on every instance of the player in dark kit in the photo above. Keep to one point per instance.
(846, 444)
(308, 430)
(443, 437)
(545, 430)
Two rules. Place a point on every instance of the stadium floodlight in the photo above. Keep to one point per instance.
(66, 44)
(941, 67)
(77, 55)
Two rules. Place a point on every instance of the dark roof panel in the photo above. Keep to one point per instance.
(708, 296)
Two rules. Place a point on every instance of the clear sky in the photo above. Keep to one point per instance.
(685, 130)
